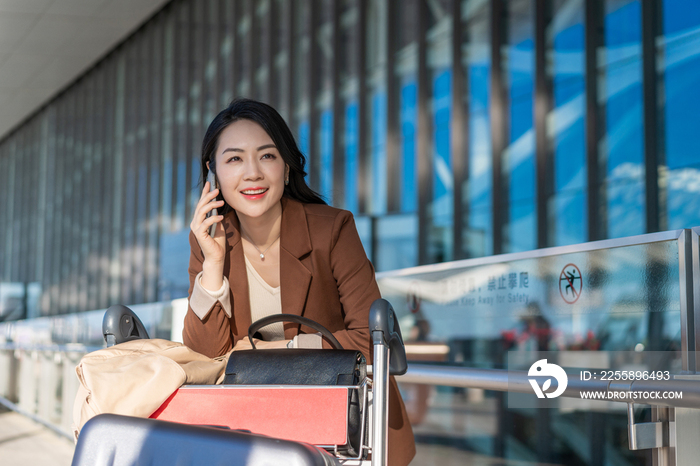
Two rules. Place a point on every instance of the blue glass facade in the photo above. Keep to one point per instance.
(681, 75)
(419, 117)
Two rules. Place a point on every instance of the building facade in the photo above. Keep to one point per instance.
(450, 128)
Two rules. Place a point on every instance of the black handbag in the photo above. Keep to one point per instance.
(304, 367)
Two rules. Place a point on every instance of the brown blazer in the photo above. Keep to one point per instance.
(324, 275)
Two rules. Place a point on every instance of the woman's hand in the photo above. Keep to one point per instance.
(214, 249)
(244, 344)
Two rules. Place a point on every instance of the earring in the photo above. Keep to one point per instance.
(286, 180)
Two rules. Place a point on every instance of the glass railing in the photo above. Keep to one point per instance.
(38, 357)
(629, 294)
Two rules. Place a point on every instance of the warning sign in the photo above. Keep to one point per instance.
(570, 283)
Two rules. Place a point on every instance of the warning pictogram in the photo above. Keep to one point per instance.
(570, 283)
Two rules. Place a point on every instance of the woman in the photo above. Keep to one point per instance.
(277, 247)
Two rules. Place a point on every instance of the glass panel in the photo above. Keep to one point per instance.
(323, 52)
(300, 65)
(475, 313)
(174, 257)
(93, 193)
(119, 180)
(196, 91)
(681, 93)
(396, 242)
(182, 37)
(85, 328)
(131, 179)
(152, 145)
(364, 230)
(352, 158)
(52, 194)
(348, 69)
(281, 61)
(227, 38)
(439, 50)
(405, 86)
(568, 59)
(213, 36)
(376, 118)
(624, 143)
(261, 44)
(519, 73)
(477, 194)
(242, 42)
(325, 154)
(167, 134)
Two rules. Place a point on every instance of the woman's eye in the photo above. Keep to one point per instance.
(268, 156)
(235, 158)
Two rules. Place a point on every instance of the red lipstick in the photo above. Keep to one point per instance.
(259, 193)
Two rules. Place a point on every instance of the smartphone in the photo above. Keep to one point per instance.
(211, 178)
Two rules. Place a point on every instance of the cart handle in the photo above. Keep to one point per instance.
(382, 318)
(121, 324)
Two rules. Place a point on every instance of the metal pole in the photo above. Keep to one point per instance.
(380, 397)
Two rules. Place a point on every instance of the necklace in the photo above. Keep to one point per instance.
(262, 253)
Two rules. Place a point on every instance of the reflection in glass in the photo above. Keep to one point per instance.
(242, 43)
(261, 40)
(681, 48)
(568, 120)
(300, 102)
(520, 153)
(406, 90)
(623, 146)
(376, 118)
(323, 160)
(439, 56)
(476, 59)
(396, 242)
(348, 70)
(351, 156)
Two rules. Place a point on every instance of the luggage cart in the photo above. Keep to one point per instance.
(250, 424)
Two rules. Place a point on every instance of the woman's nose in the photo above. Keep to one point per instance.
(252, 171)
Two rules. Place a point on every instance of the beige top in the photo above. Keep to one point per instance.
(264, 301)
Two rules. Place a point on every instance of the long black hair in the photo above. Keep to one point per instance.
(275, 126)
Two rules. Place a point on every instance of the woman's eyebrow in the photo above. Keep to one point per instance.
(235, 149)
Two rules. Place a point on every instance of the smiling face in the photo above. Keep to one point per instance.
(250, 170)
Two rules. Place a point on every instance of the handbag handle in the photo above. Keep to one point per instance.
(258, 324)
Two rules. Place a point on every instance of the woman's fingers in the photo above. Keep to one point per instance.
(212, 247)
(201, 212)
(210, 221)
(206, 196)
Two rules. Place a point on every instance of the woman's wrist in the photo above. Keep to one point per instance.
(212, 275)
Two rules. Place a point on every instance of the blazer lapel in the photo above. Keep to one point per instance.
(238, 277)
(295, 273)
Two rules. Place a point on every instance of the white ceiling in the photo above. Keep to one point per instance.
(46, 44)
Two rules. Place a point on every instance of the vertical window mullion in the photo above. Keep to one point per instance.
(499, 127)
(653, 151)
(459, 132)
(424, 165)
(595, 122)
